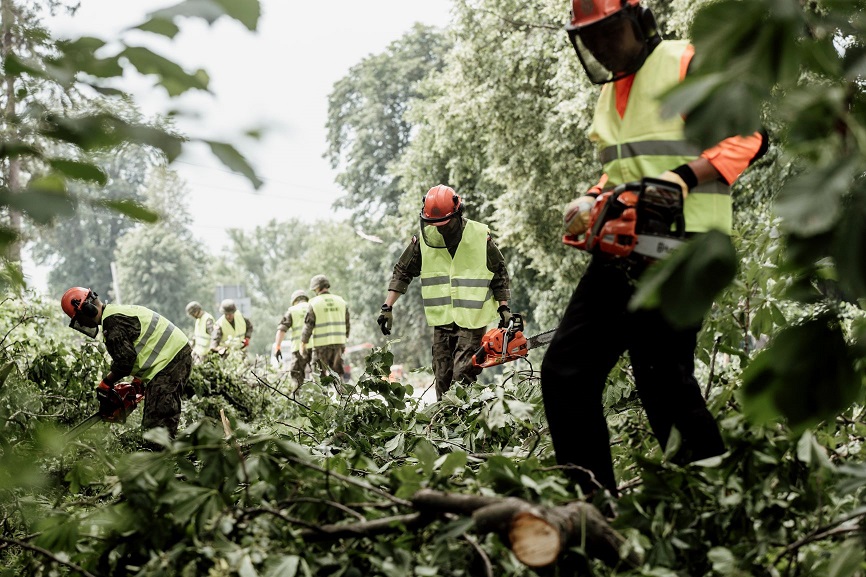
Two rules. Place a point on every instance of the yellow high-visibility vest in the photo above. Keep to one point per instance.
(330, 329)
(458, 289)
(202, 336)
(233, 336)
(298, 313)
(643, 143)
(156, 345)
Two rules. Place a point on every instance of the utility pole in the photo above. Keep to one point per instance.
(115, 283)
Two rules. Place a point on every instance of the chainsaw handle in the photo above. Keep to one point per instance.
(479, 354)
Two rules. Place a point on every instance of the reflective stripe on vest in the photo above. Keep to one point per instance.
(458, 290)
(233, 335)
(643, 143)
(297, 313)
(202, 337)
(157, 343)
(330, 329)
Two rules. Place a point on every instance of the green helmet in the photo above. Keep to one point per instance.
(228, 306)
(193, 307)
(298, 294)
(319, 282)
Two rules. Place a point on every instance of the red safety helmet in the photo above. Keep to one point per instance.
(612, 38)
(80, 300)
(74, 299)
(440, 204)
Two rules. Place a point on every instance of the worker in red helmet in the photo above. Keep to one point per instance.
(141, 343)
(464, 285)
(620, 47)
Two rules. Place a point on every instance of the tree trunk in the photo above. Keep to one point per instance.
(13, 174)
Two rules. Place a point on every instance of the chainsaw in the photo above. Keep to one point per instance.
(115, 405)
(644, 218)
(502, 345)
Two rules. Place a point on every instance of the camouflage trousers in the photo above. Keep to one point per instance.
(163, 392)
(453, 348)
(328, 357)
(298, 366)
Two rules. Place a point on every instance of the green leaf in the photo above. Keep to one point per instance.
(161, 26)
(685, 284)
(79, 170)
(811, 203)
(57, 533)
(171, 76)
(806, 375)
(247, 12)
(847, 559)
(234, 160)
(286, 566)
(130, 208)
(426, 454)
(187, 500)
(453, 462)
(5, 370)
(44, 199)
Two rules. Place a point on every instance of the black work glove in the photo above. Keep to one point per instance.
(386, 319)
(504, 316)
(278, 355)
(109, 400)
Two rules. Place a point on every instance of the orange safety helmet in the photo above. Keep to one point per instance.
(75, 299)
(439, 205)
(612, 38)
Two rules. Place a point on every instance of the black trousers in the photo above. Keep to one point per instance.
(595, 331)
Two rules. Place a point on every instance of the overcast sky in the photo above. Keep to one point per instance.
(277, 78)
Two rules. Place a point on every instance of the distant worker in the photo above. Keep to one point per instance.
(464, 285)
(232, 330)
(204, 323)
(141, 343)
(294, 320)
(326, 327)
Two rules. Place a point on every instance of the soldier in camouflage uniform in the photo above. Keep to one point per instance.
(293, 321)
(463, 280)
(141, 343)
(326, 327)
(231, 330)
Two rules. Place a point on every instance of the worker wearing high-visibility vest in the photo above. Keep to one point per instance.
(464, 285)
(204, 323)
(293, 323)
(620, 46)
(326, 328)
(232, 330)
(141, 343)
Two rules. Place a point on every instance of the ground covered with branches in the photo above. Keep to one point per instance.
(261, 481)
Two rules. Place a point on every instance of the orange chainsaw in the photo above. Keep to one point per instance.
(644, 217)
(505, 344)
(115, 405)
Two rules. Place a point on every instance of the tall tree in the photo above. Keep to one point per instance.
(79, 250)
(367, 125)
(162, 266)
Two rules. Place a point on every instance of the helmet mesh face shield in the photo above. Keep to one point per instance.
(432, 235)
(612, 48)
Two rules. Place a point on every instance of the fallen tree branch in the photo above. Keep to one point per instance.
(536, 534)
(365, 528)
(49, 554)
